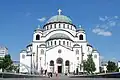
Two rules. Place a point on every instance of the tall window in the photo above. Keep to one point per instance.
(48, 43)
(68, 26)
(63, 42)
(50, 26)
(55, 25)
(55, 42)
(81, 37)
(59, 42)
(71, 27)
(59, 25)
(51, 63)
(63, 25)
(42, 51)
(67, 63)
(37, 37)
(77, 51)
(67, 43)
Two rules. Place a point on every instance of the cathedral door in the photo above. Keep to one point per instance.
(59, 69)
(60, 63)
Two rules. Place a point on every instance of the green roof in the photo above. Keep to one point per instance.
(59, 18)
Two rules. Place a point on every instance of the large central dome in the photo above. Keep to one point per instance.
(59, 18)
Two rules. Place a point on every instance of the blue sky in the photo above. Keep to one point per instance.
(100, 19)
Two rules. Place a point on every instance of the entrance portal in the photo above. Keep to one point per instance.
(60, 63)
(59, 69)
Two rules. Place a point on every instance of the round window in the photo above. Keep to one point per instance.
(59, 51)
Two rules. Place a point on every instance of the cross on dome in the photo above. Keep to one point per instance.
(59, 11)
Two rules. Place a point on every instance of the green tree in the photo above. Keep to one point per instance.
(89, 65)
(1, 62)
(111, 67)
(7, 62)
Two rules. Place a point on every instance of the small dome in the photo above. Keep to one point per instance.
(59, 36)
(59, 18)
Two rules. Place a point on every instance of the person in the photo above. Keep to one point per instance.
(45, 71)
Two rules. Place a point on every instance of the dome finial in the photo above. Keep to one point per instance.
(59, 11)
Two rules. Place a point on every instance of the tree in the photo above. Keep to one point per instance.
(89, 65)
(7, 62)
(1, 62)
(111, 67)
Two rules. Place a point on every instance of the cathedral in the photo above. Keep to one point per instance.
(58, 47)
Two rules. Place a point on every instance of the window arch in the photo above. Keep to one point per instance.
(51, 26)
(51, 63)
(67, 63)
(59, 42)
(55, 25)
(55, 42)
(63, 25)
(42, 51)
(67, 43)
(59, 25)
(81, 37)
(68, 26)
(37, 37)
(77, 51)
(59, 61)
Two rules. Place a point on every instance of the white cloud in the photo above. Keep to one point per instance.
(41, 19)
(107, 23)
(103, 18)
(111, 23)
(116, 17)
(102, 32)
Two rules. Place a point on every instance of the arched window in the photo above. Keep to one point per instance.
(67, 43)
(63, 25)
(59, 60)
(55, 25)
(77, 51)
(59, 42)
(37, 37)
(55, 42)
(68, 26)
(81, 37)
(51, 26)
(51, 63)
(59, 25)
(67, 63)
(71, 27)
(48, 43)
(42, 51)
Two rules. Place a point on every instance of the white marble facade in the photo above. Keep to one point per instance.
(60, 46)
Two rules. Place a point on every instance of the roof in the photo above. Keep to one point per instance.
(59, 18)
(59, 36)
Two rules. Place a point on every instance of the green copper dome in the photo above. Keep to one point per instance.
(59, 18)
